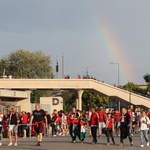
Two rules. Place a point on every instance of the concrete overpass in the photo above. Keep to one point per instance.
(78, 85)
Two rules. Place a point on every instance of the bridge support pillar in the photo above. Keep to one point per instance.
(80, 92)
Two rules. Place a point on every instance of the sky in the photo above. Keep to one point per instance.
(89, 32)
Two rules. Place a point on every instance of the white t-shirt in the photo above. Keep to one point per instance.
(1, 117)
(63, 119)
(143, 126)
(10, 76)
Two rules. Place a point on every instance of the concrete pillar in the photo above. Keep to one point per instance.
(77, 103)
(80, 92)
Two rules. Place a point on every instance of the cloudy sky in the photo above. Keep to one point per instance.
(89, 32)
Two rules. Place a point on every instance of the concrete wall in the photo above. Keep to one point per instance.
(54, 102)
(25, 104)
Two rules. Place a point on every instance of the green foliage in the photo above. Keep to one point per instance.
(148, 87)
(36, 94)
(68, 99)
(147, 78)
(90, 98)
(33, 64)
(135, 88)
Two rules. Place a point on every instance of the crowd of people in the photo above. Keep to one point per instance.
(75, 123)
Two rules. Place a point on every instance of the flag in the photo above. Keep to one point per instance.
(3, 125)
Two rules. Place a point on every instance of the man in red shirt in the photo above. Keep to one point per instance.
(94, 124)
(117, 116)
(148, 113)
(102, 115)
(129, 111)
(24, 119)
(56, 123)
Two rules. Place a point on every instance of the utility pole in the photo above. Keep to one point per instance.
(118, 80)
(57, 68)
(63, 65)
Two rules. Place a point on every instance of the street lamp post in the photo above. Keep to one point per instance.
(118, 79)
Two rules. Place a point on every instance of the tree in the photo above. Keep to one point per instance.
(26, 63)
(135, 88)
(68, 99)
(147, 78)
(36, 94)
(90, 98)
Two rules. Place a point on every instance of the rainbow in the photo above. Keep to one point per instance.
(112, 49)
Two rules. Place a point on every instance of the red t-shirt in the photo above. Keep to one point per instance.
(131, 114)
(116, 116)
(94, 119)
(149, 114)
(55, 117)
(109, 123)
(68, 119)
(102, 115)
(25, 118)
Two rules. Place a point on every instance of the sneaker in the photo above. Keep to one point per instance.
(121, 144)
(63, 135)
(119, 135)
(24, 137)
(0, 143)
(131, 143)
(73, 141)
(10, 144)
(39, 144)
(54, 135)
(15, 144)
(59, 134)
(93, 143)
(99, 136)
(108, 144)
(67, 133)
(141, 145)
(147, 143)
(90, 136)
(131, 134)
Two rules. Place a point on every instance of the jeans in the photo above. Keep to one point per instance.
(110, 133)
(56, 128)
(94, 131)
(129, 135)
(131, 128)
(143, 133)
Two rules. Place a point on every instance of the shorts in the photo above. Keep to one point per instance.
(13, 128)
(63, 126)
(117, 124)
(24, 127)
(39, 129)
(0, 130)
(48, 126)
(134, 123)
(101, 125)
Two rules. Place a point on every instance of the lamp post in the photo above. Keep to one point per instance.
(118, 79)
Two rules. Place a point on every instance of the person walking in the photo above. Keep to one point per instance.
(125, 126)
(143, 124)
(24, 120)
(39, 116)
(74, 116)
(102, 115)
(94, 125)
(13, 123)
(48, 123)
(110, 129)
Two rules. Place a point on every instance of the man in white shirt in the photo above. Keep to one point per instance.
(143, 122)
(63, 123)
